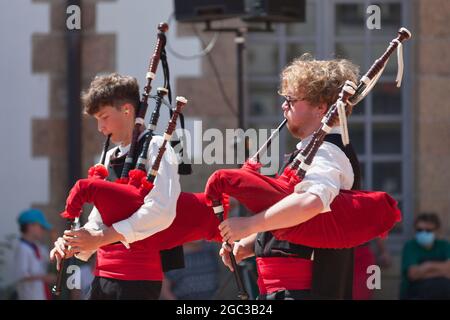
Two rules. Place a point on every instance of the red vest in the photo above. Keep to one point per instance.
(283, 273)
(139, 262)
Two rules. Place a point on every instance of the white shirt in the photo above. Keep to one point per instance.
(330, 172)
(160, 204)
(27, 264)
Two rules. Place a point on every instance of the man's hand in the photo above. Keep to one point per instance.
(60, 251)
(429, 269)
(290, 211)
(234, 229)
(238, 251)
(83, 240)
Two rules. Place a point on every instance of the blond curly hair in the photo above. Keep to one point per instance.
(317, 81)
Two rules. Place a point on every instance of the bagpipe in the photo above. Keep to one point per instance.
(355, 217)
(116, 201)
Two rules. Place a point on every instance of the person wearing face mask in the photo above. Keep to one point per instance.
(426, 262)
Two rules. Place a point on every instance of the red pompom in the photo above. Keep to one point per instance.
(289, 172)
(146, 186)
(98, 171)
(66, 215)
(289, 176)
(70, 213)
(252, 165)
(136, 176)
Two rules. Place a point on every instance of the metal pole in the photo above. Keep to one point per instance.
(240, 46)
(73, 86)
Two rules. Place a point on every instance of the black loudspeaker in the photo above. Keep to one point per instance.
(248, 10)
(207, 10)
(275, 10)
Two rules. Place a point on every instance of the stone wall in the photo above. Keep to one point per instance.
(49, 135)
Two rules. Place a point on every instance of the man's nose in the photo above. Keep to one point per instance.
(285, 106)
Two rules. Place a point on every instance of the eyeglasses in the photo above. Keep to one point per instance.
(289, 100)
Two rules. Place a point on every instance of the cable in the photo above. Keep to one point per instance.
(217, 75)
(206, 53)
(207, 48)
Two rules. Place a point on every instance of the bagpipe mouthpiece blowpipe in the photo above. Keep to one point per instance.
(266, 145)
(105, 149)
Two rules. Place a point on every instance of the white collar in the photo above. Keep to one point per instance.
(304, 142)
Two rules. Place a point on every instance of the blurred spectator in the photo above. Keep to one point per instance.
(365, 257)
(32, 258)
(426, 262)
(199, 279)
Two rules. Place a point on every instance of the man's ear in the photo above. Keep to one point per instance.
(126, 108)
(323, 108)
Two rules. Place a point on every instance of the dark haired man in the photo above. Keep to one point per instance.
(126, 268)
